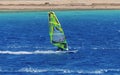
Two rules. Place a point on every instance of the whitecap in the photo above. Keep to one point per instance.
(100, 71)
(60, 70)
(32, 70)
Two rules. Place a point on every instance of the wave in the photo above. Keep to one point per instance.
(99, 71)
(31, 52)
(104, 48)
(68, 71)
(61, 70)
(118, 30)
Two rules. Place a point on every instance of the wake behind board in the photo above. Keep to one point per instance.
(69, 51)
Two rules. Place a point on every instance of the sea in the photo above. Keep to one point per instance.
(25, 47)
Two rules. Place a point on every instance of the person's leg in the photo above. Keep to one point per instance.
(59, 49)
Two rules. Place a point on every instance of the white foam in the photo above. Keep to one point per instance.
(31, 52)
(95, 48)
(102, 48)
(99, 71)
(32, 70)
(90, 72)
(106, 70)
(68, 71)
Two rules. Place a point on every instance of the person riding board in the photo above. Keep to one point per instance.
(62, 49)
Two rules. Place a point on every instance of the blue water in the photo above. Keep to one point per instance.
(25, 48)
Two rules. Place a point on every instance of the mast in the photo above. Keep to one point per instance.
(57, 36)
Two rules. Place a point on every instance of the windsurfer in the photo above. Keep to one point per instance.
(57, 36)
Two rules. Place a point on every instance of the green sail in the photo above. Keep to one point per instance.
(56, 32)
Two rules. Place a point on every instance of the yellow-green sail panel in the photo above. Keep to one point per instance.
(56, 32)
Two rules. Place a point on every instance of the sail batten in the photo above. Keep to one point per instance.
(57, 36)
